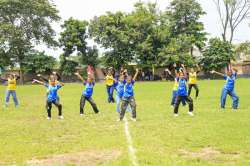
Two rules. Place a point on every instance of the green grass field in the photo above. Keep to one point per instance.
(211, 137)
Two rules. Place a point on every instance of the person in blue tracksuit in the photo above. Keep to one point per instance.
(52, 96)
(128, 97)
(228, 88)
(119, 87)
(87, 93)
(182, 93)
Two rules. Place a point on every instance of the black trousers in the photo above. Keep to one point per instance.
(91, 101)
(49, 106)
(188, 99)
(190, 86)
(125, 102)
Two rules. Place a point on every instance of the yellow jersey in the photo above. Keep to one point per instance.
(109, 80)
(192, 78)
(176, 84)
(11, 84)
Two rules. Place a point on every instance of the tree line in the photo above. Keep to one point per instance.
(147, 36)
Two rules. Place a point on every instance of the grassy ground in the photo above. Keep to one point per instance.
(211, 137)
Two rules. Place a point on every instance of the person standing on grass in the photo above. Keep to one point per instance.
(228, 89)
(119, 87)
(192, 81)
(52, 97)
(128, 97)
(11, 88)
(182, 93)
(87, 93)
(175, 87)
(109, 79)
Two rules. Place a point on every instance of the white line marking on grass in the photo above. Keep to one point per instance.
(131, 149)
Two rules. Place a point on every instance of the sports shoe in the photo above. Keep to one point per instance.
(190, 113)
(48, 118)
(81, 115)
(176, 115)
(60, 117)
(133, 119)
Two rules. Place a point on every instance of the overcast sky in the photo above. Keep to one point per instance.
(87, 9)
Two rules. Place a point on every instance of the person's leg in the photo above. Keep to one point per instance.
(123, 108)
(112, 88)
(118, 103)
(109, 96)
(7, 98)
(190, 86)
(223, 98)
(132, 104)
(235, 99)
(174, 95)
(177, 104)
(190, 103)
(13, 93)
(49, 104)
(93, 104)
(82, 104)
(196, 90)
(59, 106)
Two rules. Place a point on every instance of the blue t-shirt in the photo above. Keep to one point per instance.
(230, 82)
(89, 88)
(52, 92)
(119, 86)
(182, 88)
(128, 89)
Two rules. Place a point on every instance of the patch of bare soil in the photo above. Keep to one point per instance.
(87, 158)
(210, 154)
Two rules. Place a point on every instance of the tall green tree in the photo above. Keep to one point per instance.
(111, 32)
(184, 20)
(74, 40)
(24, 23)
(217, 55)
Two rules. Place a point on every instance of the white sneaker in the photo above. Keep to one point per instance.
(190, 113)
(81, 115)
(133, 119)
(48, 118)
(176, 115)
(60, 117)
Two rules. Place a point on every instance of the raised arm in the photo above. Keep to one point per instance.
(198, 68)
(136, 74)
(80, 77)
(184, 70)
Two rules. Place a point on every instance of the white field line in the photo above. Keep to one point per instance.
(131, 149)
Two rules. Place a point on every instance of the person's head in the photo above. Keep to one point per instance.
(11, 76)
(90, 79)
(52, 80)
(181, 75)
(121, 78)
(109, 72)
(192, 70)
(229, 73)
(129, 79)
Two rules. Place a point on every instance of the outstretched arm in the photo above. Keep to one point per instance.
(39, 82)
(3, 79)
(136, 74)
(218, 73)
(42, 78)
